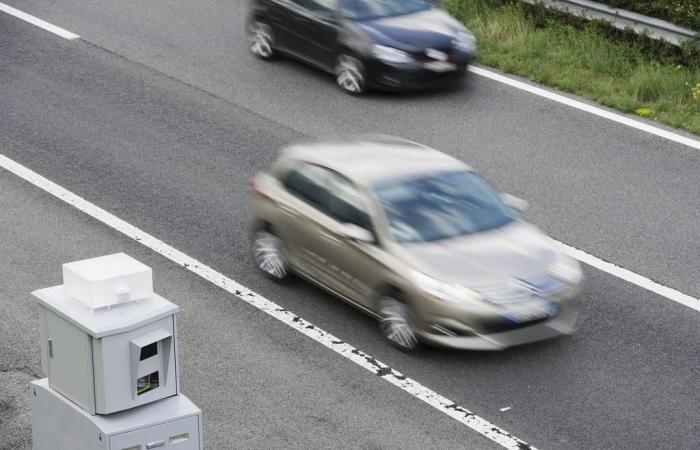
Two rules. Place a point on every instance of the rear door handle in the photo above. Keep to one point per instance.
(329, 237)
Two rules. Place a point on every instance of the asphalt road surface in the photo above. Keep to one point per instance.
(160, 116)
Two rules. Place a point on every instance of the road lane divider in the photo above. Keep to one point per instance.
(630, 277)
(376, 367)
(610, 115)
(38, 22)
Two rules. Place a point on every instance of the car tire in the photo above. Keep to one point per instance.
(262, 41)
(270, 256)
(396, 324)
(350, 75)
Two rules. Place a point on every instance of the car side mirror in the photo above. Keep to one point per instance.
(514, 202)
(356, 233)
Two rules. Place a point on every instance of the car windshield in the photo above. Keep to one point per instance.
(374, 9)
(440, 206)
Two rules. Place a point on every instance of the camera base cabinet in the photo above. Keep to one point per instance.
(173, 423)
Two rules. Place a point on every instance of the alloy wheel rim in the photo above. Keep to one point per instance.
(396, 324)
(261, 40)
(349, 75)
(267, 250)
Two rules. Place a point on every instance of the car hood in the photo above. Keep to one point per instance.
(433, 28)
(517, 250)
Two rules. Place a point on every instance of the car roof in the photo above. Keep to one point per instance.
(370, 159)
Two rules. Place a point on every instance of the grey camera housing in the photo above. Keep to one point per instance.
(110, 358)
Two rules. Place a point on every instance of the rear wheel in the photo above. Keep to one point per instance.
(350, 75)
(396, 324)
(270, 258)
(261, 40)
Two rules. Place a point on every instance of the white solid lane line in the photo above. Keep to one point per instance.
(290, 319)
(615, 117)
(38, 22)
(627, 275)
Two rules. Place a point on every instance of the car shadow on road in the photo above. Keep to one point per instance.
(414, 95)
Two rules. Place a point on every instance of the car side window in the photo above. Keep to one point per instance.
(308, 182)
(318, 6)
(346, 204)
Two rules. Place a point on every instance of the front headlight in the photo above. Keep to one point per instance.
(438, 290)
(391, 55)
(566, 269)
(465, 42)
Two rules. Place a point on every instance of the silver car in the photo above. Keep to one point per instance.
(414, 238)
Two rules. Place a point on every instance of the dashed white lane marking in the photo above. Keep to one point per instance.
(505, 409)
(615, 117)
(38, 22)
(326, 339)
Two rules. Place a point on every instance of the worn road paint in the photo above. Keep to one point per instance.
(324, 338)
(38, 22)
(615, 117)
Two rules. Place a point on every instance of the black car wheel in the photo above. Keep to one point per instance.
(261, 40)
(350, 75)
(396, 324)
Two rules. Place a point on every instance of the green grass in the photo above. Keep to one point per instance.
(583, 58)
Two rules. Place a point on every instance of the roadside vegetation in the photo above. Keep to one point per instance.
(619, 69)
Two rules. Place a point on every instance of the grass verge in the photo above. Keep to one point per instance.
(586, 58)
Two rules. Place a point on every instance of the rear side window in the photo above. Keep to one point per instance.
(309, 184)
(345, 204)
(329, 192)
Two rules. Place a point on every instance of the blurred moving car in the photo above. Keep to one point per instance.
(416, 239)
(390, 44)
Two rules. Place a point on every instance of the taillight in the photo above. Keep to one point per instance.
(253, 189)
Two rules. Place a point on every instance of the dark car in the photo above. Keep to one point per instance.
(387, 44)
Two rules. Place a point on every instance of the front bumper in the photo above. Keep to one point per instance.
(560, 325)
(487, 331)
(398, 77)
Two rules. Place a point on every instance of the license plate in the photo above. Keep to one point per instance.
(440, 66)
(528, 311)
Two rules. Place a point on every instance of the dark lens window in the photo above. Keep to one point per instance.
(147, 383)
(149, 350)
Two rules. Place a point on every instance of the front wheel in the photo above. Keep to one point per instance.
(350, 75)
(396, 324)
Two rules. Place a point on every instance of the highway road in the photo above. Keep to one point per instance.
(159, 116)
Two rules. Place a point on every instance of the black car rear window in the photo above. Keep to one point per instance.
(374, 9)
